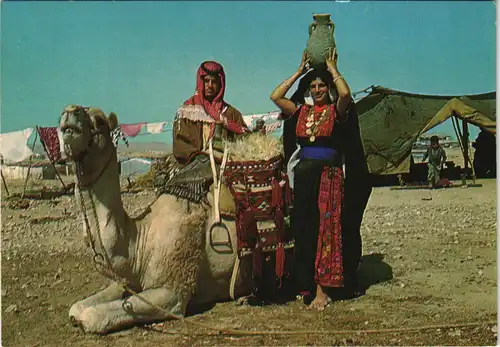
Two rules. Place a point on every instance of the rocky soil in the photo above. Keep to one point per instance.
(429, 260)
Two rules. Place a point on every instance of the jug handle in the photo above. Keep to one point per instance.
(331, 26)
(312, 27)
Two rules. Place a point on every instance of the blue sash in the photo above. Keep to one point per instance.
(321, 153)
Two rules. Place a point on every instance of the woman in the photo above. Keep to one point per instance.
(326, 229)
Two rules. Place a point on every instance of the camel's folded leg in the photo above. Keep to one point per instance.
(112, 292)
(119, 314)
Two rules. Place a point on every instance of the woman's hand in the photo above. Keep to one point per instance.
(331, 59)
(304, 64)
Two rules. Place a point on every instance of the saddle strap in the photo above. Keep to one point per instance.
(232, 284)
(217, 181)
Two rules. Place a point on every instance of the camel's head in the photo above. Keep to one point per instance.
(86, 132)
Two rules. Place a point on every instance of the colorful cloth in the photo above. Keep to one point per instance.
(50, 139)
(322, 121)
(329, 260)
(132, 130)
(272, 127)
(155, 128)
(13, 145)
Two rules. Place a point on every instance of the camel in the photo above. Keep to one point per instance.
(165, 254)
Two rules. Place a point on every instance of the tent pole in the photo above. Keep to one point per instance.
(29, 167)
(4, 183)
(465, 142)
(53, 165)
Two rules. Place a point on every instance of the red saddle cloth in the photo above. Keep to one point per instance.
(262, 194)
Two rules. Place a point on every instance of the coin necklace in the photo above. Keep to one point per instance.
(312, 124)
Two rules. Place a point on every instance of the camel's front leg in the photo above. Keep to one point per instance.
(119, 314)
(112, 292)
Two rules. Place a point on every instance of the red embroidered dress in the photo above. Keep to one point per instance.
(318, 191)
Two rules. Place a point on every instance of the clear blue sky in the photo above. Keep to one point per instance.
(139, 59)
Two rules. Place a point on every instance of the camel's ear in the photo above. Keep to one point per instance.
(112, 121)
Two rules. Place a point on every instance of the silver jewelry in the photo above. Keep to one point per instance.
(337, 78)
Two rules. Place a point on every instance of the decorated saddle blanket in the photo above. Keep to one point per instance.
(262, 197)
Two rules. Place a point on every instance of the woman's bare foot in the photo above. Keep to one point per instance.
(321, 300)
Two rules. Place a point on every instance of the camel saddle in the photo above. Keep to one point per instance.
(191, 181)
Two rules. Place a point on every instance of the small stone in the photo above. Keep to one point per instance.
(480, 272)
(494, 329)
(455, 333)
(11, 308)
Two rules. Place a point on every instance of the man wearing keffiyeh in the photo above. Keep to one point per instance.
(203, 119)
(206, 116)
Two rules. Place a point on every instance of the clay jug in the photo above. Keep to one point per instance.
(320, 39)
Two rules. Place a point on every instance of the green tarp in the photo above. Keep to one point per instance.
(391, 121)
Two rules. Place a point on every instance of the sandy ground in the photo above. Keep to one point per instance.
(426, 262)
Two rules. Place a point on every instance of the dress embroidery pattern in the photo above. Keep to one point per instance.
(309, 119)
(329, 261)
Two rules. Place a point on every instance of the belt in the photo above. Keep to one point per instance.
(321, 153)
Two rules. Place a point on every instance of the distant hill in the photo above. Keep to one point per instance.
(135, 147)
(145, 147)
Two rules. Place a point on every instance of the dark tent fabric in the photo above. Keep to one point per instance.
(391, 121)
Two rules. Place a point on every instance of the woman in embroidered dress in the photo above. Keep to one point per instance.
(325, 226)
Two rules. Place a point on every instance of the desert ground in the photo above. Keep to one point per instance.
(429, 263)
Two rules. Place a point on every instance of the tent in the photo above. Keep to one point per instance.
(391, 121)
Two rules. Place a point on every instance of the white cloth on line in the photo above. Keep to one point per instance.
(14, 146)
(271, 127)
(155, 128)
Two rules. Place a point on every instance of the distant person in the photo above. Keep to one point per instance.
(260, 126)
(437, 157)
(485, 160)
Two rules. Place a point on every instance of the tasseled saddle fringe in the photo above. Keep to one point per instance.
(194, 191)
(247, 230)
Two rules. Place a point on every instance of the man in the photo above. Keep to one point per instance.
(260, 126)
(437, 158)
(201, 127)
(206, 116)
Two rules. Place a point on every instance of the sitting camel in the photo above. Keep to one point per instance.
(165, 254)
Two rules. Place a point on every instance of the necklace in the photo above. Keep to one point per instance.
(312, 123)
